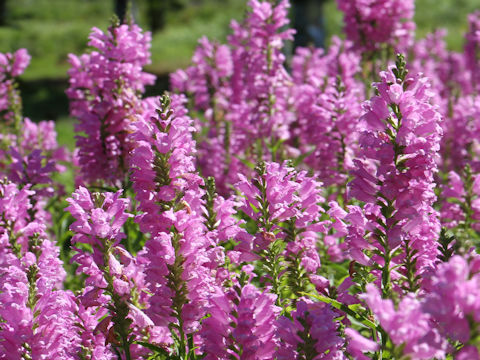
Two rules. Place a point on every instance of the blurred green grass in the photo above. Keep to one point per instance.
(173, 47)
(50, 29)
(65, 133)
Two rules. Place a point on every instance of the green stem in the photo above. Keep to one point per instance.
(178, 286)
(386, 277)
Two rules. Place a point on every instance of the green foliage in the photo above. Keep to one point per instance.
(50, 29)
(412, 283)
(447, 245)
(210, 215)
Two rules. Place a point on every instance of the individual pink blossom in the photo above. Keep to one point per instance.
(407, 324)
(469, 352)
(358, 345)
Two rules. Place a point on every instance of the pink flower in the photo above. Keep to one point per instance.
(280, 194)
(407, 324)
(472, 47)
(117, 278)
(314, 330)
(162, 163)
(103, 93)
(241, 322)
(358, 345)
(395, 171)
(369, 24)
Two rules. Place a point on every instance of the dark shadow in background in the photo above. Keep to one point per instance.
(45, 99)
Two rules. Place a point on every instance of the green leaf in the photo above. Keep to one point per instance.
(350, 309)
(155, 348)
(246, 162)
(299, 159)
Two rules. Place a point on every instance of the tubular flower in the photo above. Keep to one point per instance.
(162, 163)
(116, 276)
(472, 48)
(103, 93)
(241, 325)
(11, 66)
(372, 23)
(407, 325)
(36, 313)
(394, 173)
(283, 204)
(313, 334)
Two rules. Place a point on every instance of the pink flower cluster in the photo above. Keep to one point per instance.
(104, 96)
(11, 66)
(396, 174)
(370, 24)
(243, 89)
(328, 212)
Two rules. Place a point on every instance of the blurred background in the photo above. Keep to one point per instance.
(50, 29)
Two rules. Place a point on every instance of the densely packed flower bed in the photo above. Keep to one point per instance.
(328, 209)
